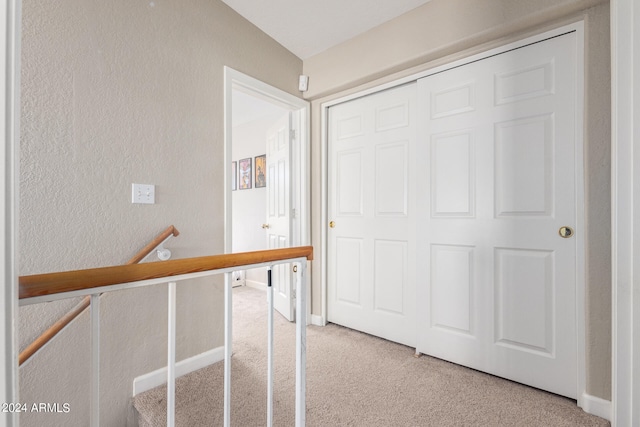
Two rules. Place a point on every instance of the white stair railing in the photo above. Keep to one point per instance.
(155, 246)
(55, 286)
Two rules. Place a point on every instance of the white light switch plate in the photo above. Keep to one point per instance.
(143, 193)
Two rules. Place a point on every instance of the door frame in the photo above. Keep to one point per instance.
(625, 196)
(10, 26)
(300, 182)
(588, 403)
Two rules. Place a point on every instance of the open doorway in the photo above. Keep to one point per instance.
(252, 118)
(266, 170)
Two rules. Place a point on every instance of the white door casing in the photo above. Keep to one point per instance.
(498, 289)
(278, 211)
(625, 165)
(371, 247)
(299, 180)
(10, 15)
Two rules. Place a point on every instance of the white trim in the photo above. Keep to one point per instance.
(625, 194)
(301, 174)
(318, 320)
(596, 406)
(578, 28)
(159, 376)
(324, 210)
(10, 18)
(581, 248)
(256, 285)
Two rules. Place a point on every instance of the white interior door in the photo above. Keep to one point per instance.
(371, 239)
(278, 221)
(497, 285)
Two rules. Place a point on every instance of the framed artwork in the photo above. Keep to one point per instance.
(234, 176)
(261, 167)
(244, 167)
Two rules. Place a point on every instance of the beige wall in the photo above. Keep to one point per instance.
(444, 30)
(117, 92)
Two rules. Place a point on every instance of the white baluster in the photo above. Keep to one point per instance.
(228, 338)
(171, 357)
(301, 344)
(95, 360)
(269, 350)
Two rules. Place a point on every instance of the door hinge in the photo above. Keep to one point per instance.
(293, 213)
(292, 134)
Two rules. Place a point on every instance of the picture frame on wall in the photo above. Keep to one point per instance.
(234, 176)
(260, 166)
(244, 169)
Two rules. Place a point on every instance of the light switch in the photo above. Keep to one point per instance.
(143, 193)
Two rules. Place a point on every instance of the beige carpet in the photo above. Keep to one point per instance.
(353, 379)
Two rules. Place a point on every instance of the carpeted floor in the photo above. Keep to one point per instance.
(353, 379)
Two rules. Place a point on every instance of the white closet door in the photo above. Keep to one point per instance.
(371, 243)
(497, 284)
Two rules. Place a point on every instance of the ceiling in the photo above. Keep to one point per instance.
(308, 27)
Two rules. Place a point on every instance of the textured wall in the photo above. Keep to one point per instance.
(442, 31)
(113, 93)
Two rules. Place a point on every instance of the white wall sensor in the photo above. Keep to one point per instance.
(303, 83)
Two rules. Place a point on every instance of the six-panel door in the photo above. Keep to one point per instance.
(497, 288)
(371, 245)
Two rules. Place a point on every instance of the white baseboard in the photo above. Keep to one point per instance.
(158, 377)
(317, 320)
(596, 406)
(256, 285)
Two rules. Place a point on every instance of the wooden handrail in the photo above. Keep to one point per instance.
(170, 231)
(69, 281)
(53, 330)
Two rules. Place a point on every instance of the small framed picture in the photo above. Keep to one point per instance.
(261, 167)
(234, 176)
(244, 167)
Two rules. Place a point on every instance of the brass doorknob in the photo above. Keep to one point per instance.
(332, 224)
(565, 232)
(266, 226)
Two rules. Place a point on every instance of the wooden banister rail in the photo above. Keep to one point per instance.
(69, 281)
(170, 231)
(53, 330)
